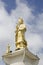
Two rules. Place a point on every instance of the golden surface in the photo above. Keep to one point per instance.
(8, 49)
(20, 34)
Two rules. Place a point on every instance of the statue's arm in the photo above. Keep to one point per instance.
(22, 27)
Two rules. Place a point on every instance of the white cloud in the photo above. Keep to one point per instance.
(40, 21)
(41, 59)
(22, 11)
(34, 42)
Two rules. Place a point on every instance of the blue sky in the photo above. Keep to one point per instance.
(32, 13)
(37, 4)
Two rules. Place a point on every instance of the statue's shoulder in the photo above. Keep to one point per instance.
(22, 25)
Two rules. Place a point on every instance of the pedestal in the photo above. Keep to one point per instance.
(21, 57)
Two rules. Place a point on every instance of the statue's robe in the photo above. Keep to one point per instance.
(21, 32)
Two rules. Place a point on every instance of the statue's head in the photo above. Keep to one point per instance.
(20, 20)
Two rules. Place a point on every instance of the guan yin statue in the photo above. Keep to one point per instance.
(20, 34)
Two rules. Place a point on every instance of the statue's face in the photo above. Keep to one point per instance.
(20, 20)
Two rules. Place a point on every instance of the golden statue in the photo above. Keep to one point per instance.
(8, 49)
(20, 34)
